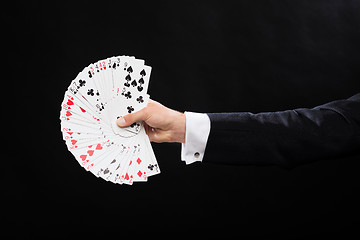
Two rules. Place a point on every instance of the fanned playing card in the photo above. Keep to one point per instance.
(101, 93)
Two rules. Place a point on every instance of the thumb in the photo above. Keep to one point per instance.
(129, 119)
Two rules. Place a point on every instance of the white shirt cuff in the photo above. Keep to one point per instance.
(197, 133)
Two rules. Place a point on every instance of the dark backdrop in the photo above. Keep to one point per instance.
(207, 56)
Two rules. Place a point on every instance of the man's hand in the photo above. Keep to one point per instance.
(162, 124)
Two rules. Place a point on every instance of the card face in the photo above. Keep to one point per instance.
(100, 94)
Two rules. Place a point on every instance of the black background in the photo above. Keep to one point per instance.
(207, 56)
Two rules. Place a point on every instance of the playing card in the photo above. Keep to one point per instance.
(100, 94)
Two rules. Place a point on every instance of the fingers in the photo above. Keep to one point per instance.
(150, 132)
(129, 119)
(153, 134)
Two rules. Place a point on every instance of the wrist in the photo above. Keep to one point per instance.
(179, 128)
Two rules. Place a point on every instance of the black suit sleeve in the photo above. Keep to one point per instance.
(286, 138)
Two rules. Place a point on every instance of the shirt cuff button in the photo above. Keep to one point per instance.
(196, 155)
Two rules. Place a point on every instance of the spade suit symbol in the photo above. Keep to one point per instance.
(129, 70)
(134, 83)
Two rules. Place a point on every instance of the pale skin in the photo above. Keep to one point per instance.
(161, 124)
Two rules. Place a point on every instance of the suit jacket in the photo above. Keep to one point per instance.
(286, 138)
